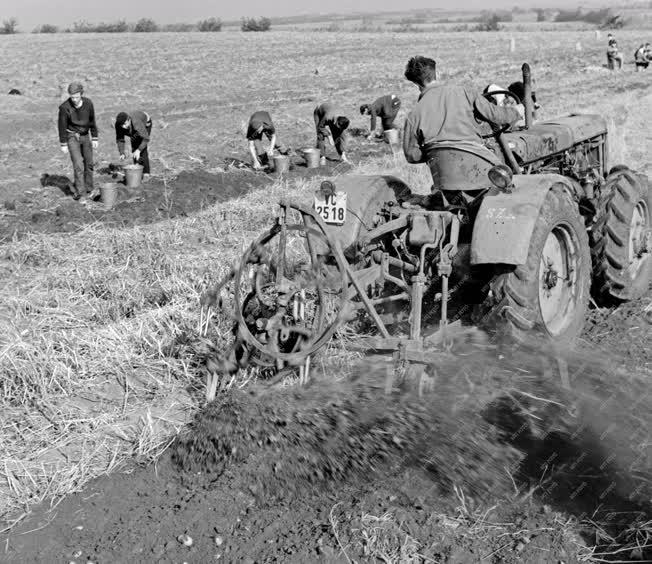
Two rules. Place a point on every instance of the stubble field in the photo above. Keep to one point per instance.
(100, 364)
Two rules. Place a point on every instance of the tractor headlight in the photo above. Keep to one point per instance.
(501, 176)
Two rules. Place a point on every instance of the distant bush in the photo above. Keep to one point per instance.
(46, 28)
(597, 17)
(9, 27)
(178, 27)
(253, 24)
(211, 24)
(115, 27)
(541, 15)
(489, 22)
(145, 25)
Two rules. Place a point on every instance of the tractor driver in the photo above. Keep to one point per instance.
(447, 116)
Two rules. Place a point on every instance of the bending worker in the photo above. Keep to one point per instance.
(386, 108)
(260, 123)
(332, 125)
(447, 117)
(137, 126)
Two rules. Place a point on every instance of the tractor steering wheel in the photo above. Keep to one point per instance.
(498, 130)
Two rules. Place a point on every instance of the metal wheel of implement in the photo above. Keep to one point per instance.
(287, 302)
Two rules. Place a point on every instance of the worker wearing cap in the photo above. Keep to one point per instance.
(331, 124)
(136, 125)
(386, 108)
(78, 137)
(260, 123)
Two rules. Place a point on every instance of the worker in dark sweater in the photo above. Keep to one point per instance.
(331, 124)
(386, 108)
(260, 123)
(137, 126)
(78, 137)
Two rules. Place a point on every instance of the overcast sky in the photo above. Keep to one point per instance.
(31, 13)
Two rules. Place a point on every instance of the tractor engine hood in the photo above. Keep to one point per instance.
(545, 138)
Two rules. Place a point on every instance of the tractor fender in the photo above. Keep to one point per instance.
(505, 221)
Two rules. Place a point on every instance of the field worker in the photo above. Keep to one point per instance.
(137, 126)
(386, 108)
(648, 51)
(260, 123)
(447, 116)
(331, 124)
(78, 137)
(613, 55)
(641, 57)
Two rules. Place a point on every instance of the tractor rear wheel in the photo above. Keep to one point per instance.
(621, 239)
(549, 293)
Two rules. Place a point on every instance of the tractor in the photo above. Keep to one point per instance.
(516, 247)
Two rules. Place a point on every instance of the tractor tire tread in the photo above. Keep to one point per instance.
(609, 238)
(512, 308)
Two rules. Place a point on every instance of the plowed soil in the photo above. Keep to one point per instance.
(48, 207)
(341, 472)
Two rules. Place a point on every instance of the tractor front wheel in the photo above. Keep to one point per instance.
(549, 293)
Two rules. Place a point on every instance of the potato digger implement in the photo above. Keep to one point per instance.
(516, 244)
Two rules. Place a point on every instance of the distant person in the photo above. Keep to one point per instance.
(386, 108)
(136, 125)
(260, 123)
(331, 125)
(648, 51)
(447, 116)
(614, 56)
(78, 137)
(641, 59)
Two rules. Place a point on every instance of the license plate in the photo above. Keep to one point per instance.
(331, 207)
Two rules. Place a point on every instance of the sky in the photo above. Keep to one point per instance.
(31, 13)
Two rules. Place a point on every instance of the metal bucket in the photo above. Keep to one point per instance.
(133, 175)
(391, 136)
(312, 157)
(281, 163)
(109, 194)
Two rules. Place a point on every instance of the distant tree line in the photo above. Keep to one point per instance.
(144, 25)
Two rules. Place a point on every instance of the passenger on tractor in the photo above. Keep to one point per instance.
(518, 90)
(443, 130)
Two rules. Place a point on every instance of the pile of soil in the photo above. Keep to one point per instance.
(312, 474)
(286, 442)
(51, 209)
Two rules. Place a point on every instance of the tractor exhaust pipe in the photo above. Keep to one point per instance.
(527, 96)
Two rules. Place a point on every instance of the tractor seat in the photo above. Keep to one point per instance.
(461, 168)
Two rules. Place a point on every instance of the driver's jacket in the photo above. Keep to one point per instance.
(448, 115)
